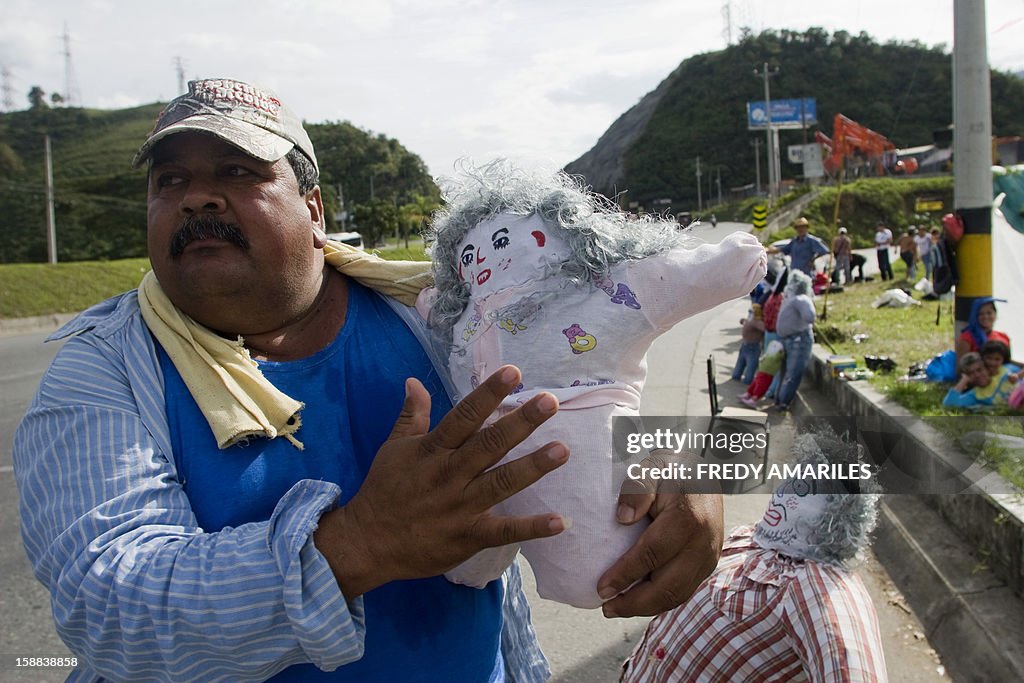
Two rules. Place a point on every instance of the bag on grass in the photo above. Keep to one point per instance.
(942, 368)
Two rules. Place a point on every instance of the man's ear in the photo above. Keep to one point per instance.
(315, 204)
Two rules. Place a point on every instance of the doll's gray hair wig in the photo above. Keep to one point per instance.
(799, 283)
(850, 515)
(598, 232)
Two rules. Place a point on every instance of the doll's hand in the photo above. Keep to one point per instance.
(675, 553)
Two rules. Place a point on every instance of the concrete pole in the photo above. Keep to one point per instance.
(757, 165)
(972, 156)
(768, 135)
(51, 221)
(700, 206)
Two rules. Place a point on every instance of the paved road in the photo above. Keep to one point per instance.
(581, 644)
(25, 625)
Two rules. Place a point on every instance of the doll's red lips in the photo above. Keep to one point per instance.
(483, 276)
(772, 517)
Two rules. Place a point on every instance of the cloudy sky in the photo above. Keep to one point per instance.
(536, 80)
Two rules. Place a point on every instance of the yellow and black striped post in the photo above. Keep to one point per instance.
(760, 216)
(972, 156)
(973, 262)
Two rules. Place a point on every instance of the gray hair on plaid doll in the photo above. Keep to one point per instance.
(598, 233)
(821, 519)
(799, 283)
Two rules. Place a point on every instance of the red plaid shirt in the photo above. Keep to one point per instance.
(760, 617)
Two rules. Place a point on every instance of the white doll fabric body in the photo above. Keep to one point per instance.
(585, 342)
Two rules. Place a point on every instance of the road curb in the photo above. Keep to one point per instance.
(12, 327)
(941, 550)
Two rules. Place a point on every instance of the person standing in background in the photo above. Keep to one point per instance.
(924, 250)
(908, 251)
(803, 249)
(883, 240)
(841, 250)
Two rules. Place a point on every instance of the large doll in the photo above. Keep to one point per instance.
(783, 604)
(533, 270)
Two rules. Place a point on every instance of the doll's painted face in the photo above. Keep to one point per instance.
(507, 250)
(792, 515)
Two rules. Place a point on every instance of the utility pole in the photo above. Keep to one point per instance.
(770, 150)
(756, 142)
(51, 222)
(700, 205)
(718, 183)
(972, 155)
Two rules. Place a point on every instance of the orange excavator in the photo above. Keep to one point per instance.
(859, 149)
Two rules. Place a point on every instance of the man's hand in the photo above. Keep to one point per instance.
(425, 504)
(677, 551)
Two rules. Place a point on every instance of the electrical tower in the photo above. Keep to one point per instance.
(6, 89)
(71, 95)
(727, 23)
(179, 67)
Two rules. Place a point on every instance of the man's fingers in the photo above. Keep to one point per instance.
(469, 414)
(500, 483)
(636, 496)
(485, 448)
(414, 420)
(647, 554)
(649, 598)
(499, 531)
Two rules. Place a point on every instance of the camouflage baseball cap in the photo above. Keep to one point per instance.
(246, 116)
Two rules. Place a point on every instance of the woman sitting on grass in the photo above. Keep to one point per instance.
(978, 389)
(980, 327)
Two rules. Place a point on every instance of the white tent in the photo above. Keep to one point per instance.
(1008, 253)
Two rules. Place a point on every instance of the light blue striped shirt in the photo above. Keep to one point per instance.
(138, 591)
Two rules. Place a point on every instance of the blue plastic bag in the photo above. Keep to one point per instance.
(942, 368)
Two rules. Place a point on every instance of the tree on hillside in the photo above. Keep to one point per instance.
(37, 98)
(376, 219)
(10, 162)
(414, 215)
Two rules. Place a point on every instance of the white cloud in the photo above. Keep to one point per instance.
(448, 78)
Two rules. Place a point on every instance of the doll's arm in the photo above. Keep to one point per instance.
(685, 281)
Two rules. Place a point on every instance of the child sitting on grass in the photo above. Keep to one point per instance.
(767, 368)
(996, 355)
(978, 389)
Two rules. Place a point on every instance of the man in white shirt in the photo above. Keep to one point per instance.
(883, 240)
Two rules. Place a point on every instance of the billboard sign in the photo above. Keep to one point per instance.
(785, 114)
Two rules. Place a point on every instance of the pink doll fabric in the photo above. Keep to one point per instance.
(585, 341)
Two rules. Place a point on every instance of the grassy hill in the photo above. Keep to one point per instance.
(902, 91)
(100, 200)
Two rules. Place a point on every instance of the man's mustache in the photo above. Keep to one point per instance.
(205, 226)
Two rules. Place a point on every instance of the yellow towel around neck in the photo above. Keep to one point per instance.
(235, 398)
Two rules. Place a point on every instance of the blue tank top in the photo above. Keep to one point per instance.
(421, 630)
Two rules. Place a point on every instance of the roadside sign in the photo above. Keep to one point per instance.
(760, 217)
(922, 204)
(798, 113)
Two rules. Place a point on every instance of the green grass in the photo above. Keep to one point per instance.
(31, 289)
(906, 335)
(910, 335)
